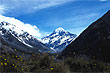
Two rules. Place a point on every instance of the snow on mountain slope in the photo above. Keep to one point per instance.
(21, 25)
(19, 38)
(15, 31)
(59, 39)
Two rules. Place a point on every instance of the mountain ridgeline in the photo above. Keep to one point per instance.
(94, 42)
(20, 40)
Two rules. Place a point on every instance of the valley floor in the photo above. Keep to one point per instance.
(47, 63)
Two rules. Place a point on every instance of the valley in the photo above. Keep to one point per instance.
(18, 54)
(54, 36)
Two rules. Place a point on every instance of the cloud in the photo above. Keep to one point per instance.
(49, 3)
(19, 7)
(28, 6)
(79, 20)
(104, 0)
(2, 9)
(31, 29)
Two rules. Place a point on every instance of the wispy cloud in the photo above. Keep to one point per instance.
(25, 6)
(31, 29)
(79, 20)
(28, 6)
(2, 9)
(18, 7)
(104, 0)
(81, 17)
(49, 3)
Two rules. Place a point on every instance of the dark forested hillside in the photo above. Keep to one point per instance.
(94, 42)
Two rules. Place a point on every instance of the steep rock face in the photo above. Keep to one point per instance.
(20, 39)
(93, 42)
(59, 39)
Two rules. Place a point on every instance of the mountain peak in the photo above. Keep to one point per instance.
(59, 39)
(60, 29)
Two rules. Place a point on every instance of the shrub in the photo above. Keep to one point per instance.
(82, 65)
(11, 63)
(46, 63)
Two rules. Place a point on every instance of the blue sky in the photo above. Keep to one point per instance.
(47, 15)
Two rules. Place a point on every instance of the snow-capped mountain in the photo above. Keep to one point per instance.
(59, 39)
(21, 40)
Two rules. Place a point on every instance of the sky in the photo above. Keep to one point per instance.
(42, 17)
